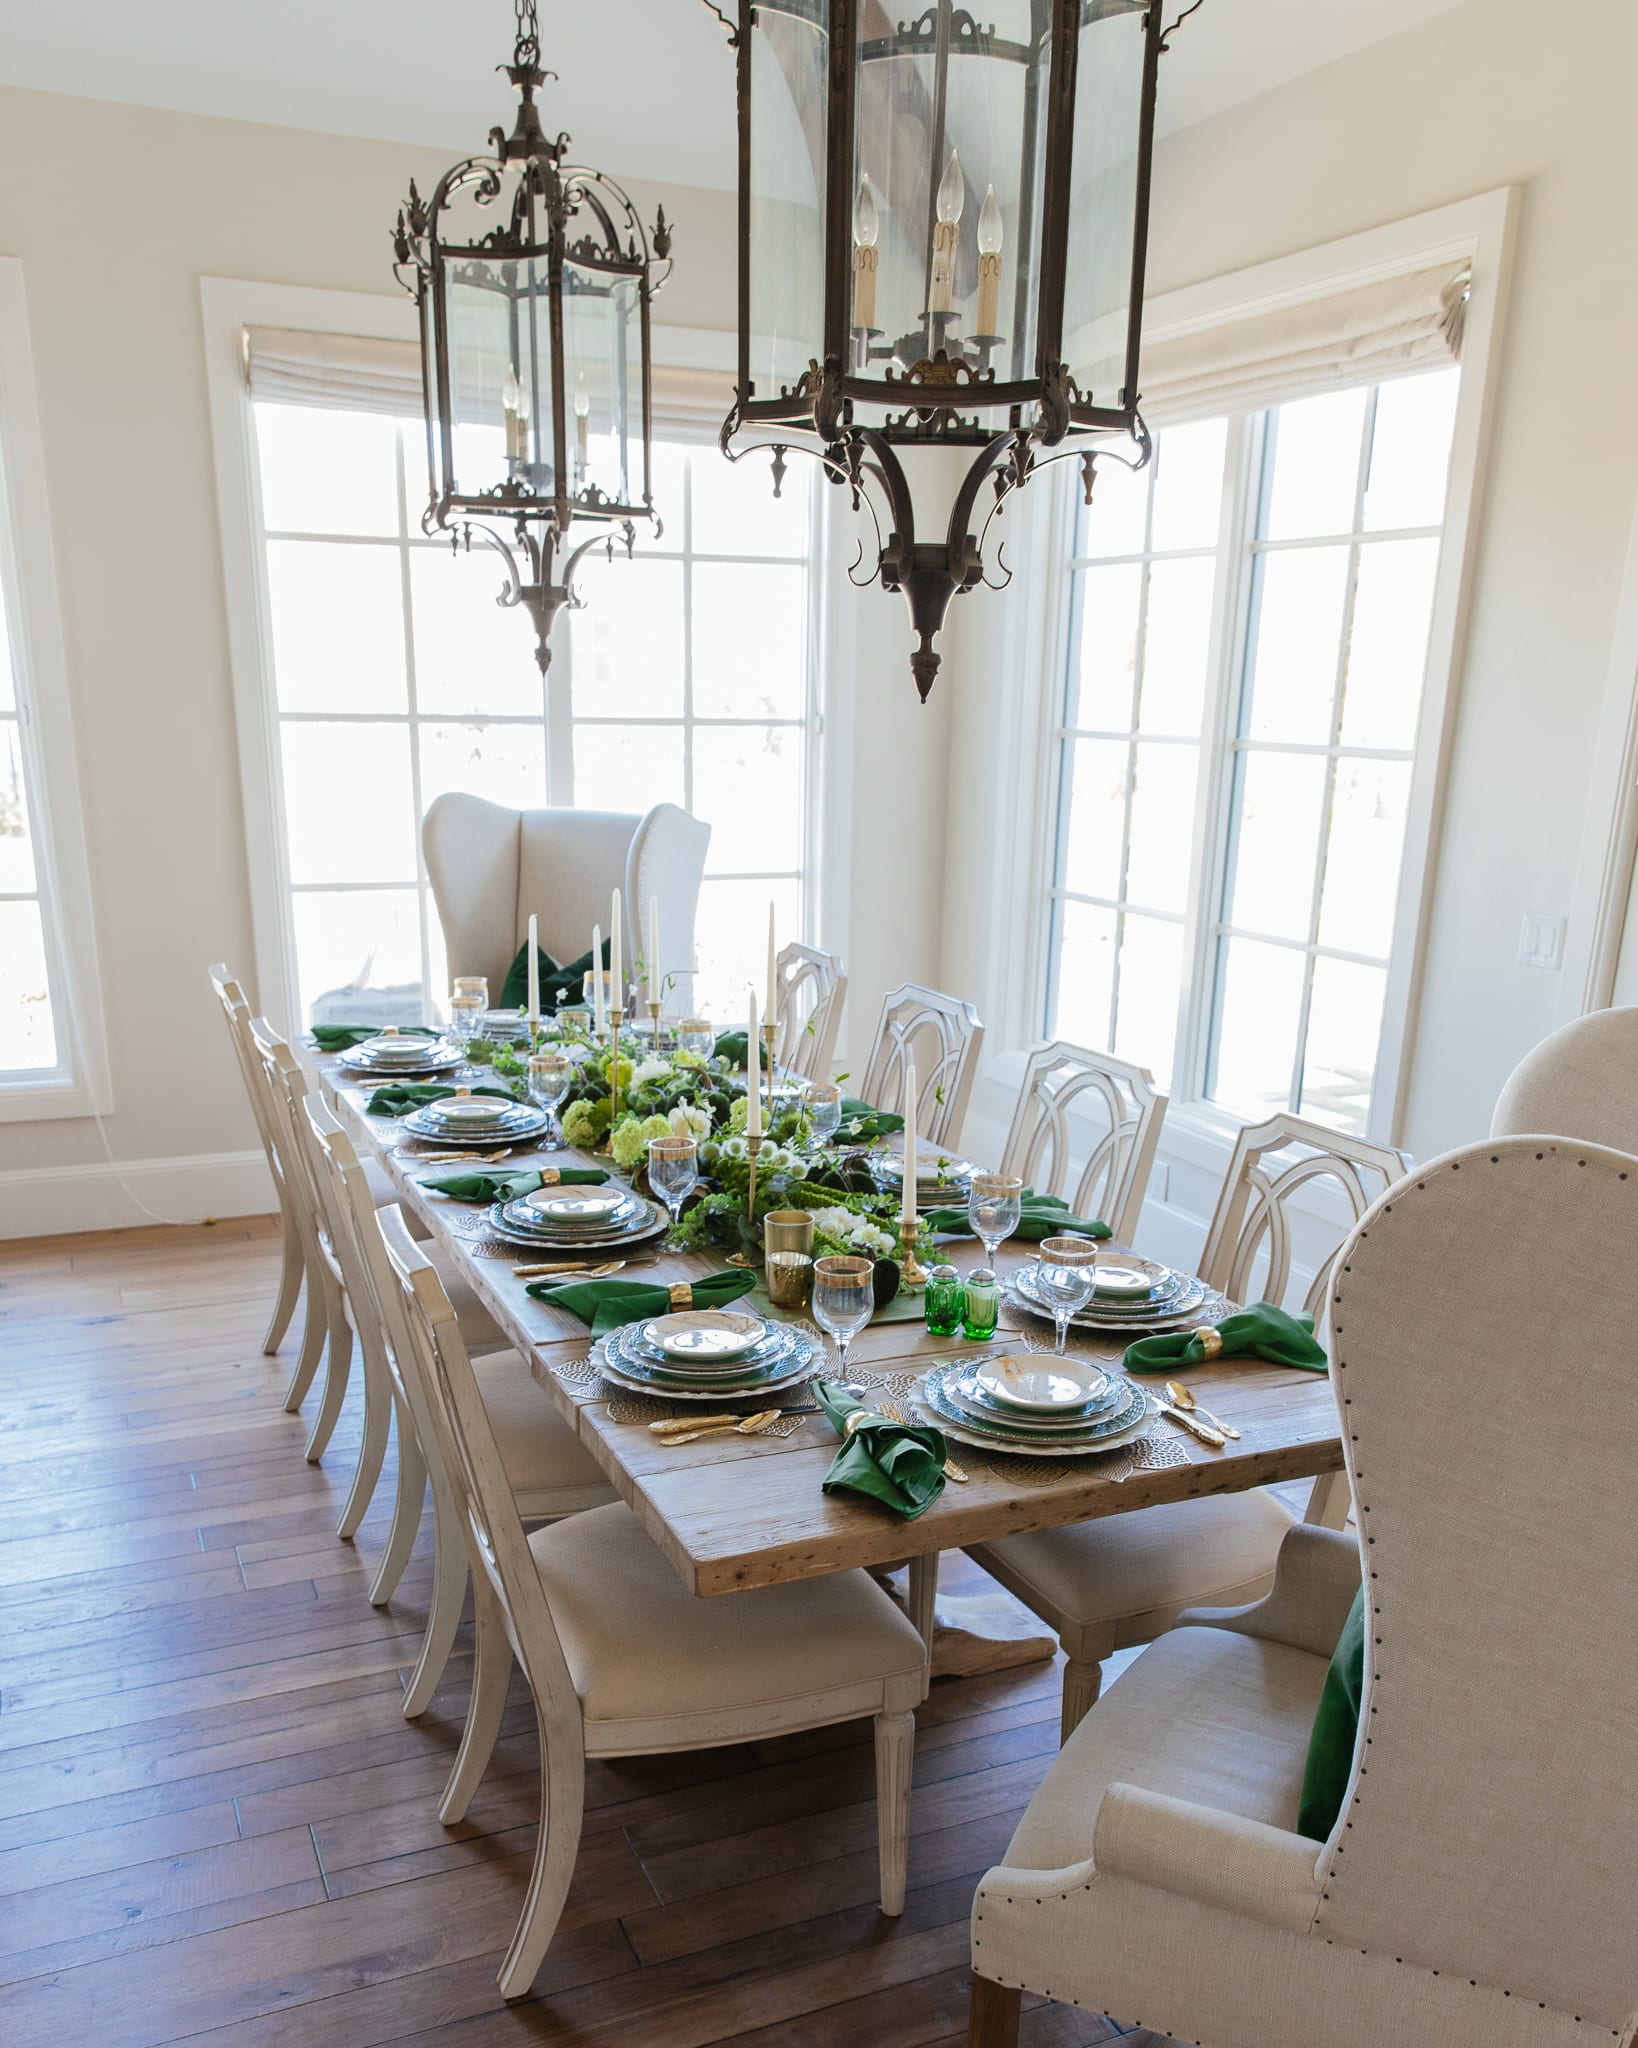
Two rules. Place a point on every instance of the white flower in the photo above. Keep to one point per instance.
(688, 1121)
(732, 1148)
(651, 1069)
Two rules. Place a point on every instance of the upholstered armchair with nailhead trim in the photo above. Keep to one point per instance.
(1477, 1890)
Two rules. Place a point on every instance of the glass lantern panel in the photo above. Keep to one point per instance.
(603, 379)
(500, 374)
(1103, 197)
(949, 157)
(790, 59)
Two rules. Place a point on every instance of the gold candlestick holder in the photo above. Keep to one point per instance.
(768, 1033)
(614, 1068)
(654, 1010)
(911, 1270)
(754, 1141)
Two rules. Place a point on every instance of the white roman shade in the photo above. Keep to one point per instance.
(1390, 327)
(360, 373)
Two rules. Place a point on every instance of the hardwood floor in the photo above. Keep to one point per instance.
(216, 1826)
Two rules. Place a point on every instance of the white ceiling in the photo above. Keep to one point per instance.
(646, 85)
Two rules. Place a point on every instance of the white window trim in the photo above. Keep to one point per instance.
(228, 307)
(1199, 1133)
(80, 1085)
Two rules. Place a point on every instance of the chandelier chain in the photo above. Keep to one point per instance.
(527, 52)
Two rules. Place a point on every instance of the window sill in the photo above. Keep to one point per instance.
(50, 1099)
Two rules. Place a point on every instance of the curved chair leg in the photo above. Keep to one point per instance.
(491, 1674)
(448, 1598)
(562, 1805)
(408, 1504)
(1083, 1681)
(337, 1366)
(895, 1751)
(315, 1327)
(992, 2017)
(372, 1448)
(290, 1279)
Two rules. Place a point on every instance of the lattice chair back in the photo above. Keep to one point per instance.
(943, 1036)
(812, 989)
(1063, 1083)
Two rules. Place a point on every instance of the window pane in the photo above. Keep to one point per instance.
(16, 841)
(8, 684)
(1176, 645)
(338, 626)
(326, 471)
(1115, 521)
(1344, 1028)
(750, 636)
(1365, 845)
(1278, 816)
(1299, 597)
(506, 763)
(348, 802)
(1388, 646)
(1104, 667)
(1086, 975)
(735, 511)
(1410, 451)
(1162, 827)
(748, 789)
(1151, 977)
(1094, 816)
(358, 956)
(1259, 1003)
(28, 1038)
(1316, 465)
(627, 645)
(627, 767)
(731, 944)
(471, 654)
(1188, 485)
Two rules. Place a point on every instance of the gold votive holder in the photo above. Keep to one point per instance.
(787, 1253)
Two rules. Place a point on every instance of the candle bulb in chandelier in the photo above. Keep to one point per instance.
(866, 227)
(511, 399)
(989, 265)
(952, 195)
(582, 425)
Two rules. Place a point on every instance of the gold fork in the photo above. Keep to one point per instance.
(892, 1412)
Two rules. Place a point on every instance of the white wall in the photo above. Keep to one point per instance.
(1478, 98)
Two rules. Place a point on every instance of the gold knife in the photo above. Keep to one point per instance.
(1185, 1420)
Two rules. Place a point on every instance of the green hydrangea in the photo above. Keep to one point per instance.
(630, 1141)
(584, 1124)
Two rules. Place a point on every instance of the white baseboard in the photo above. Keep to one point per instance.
(50, 1201)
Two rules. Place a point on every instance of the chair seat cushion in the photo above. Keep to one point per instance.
(641, 1646)
(1216, 1552)
(540, 1451)
(1203, 1715)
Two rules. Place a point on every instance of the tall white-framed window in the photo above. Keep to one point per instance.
(53, 1055)
(375, 670)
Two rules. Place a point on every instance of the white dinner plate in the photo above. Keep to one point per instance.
(705, 1336)
(1040, 1384)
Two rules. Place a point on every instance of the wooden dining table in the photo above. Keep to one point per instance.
(735, 1512)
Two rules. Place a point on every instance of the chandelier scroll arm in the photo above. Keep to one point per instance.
(733, 32)
(1165, 42)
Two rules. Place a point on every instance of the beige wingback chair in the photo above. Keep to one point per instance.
(1581, 1082)
(491, 867)
(1477, 1889)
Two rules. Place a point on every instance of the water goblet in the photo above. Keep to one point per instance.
(697, 1035)
(673, 1172)
(844, 1299)
(550, 1078)
(994, 1203)
(1067, 1275)
(467, 1009)
(823, 1109)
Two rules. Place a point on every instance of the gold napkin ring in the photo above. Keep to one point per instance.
(853, 1421)
(549, 1176)
(682, 1295)
(463, 1091)
(1211, 1341)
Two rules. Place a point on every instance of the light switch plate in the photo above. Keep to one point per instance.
(1541, 941)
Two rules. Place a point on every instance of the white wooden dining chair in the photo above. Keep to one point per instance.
(550, 1471)
(293, 1265)
(1476, 1887)
(812, 990)
(1580, 1082)
(1062, 1086)
(1105, 1585)
(943, 1036)
(622, 1660)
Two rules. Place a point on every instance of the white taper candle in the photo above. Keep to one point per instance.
(599, 1020)
(773, 971)
(534, 971)
(656, 981)
(907, 1208)
(617, 962)
(753, 1077)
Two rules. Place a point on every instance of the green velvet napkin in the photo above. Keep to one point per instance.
(1261, 1331)
(343, 1037)
(508, 1187)
(398, 1098)
(1335, 1731)
(730, 1046)
(893, 1462)
(1038, 1216)
(553, 979)
(862, 1121)
(606, 1304)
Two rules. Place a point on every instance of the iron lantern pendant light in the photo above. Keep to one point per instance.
(942, 231)
(533, 278)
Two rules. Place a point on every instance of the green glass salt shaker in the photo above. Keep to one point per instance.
(943, 1301)
(980, 1305)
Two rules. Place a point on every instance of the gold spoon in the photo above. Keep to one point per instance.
(753, 1425)
(1182, 1397)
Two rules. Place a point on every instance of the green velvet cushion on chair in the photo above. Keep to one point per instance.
(553, 979)
(1336, 1728)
